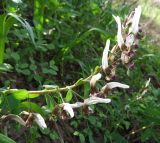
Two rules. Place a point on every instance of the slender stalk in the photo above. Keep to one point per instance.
(66, 88)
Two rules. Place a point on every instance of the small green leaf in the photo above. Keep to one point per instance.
(79, 81)
(5, 139)
(20, 94)
(69, 96)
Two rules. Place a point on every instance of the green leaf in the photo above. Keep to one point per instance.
(80, 81)
(20, 94)
(25, 25)
(69, 96)
(118, 138)
(15, 56)
(31, 106)
(5, 139)
(49, 101)
(2, 36)
(9, 103)
(82, 138)
(9, 22)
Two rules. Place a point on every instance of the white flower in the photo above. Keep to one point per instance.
(119, 32)
(135, 20)
(95, 100)
(105, 56)
(68, 108)
(39, 120)
(111, 85)
(94, 79)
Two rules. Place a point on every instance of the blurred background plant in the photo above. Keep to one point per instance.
(69, 40)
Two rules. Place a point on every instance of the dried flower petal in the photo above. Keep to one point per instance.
(105, 56)
(119, 33)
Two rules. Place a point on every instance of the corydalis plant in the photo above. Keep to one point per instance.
(122, 53)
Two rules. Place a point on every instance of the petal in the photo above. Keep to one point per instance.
(135, 20)
(94, 79)
(68, 108)
(105, 56)
(77, 105)
(111, 85)
(95, 100)
(39, 120)
(15, 118)
(119, 33)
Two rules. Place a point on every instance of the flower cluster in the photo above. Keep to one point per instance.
(127, 40)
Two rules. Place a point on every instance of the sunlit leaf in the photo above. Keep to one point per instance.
(5, 139)
(69, 96)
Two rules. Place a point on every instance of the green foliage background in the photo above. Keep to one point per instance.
(69, 40)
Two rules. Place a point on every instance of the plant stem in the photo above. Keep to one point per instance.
(67, 87)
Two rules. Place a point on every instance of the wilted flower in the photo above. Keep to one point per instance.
(112, 85)
(119, 33)
(135, 21)
(39, 120)
(95, 100)
(105, 56)
(94, 79)
(26, 119)
(68, 108)
(36, 117)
